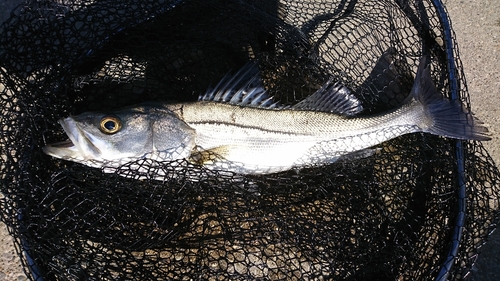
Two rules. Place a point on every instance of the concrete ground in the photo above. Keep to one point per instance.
(477, 28)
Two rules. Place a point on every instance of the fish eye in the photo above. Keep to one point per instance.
(110, 125)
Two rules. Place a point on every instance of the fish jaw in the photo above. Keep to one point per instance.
(79, 147)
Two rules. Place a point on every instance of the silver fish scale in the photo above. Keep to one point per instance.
(332, 150)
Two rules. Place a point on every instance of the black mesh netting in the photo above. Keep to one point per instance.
(418, 209)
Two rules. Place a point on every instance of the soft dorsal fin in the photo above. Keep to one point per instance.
(245, 87)
(332, 97)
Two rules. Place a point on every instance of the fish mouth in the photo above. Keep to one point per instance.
(78, 146)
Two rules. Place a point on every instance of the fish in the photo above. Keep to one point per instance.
(236, 127)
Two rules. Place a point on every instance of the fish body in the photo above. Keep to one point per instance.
(237, 128)
(267, 141)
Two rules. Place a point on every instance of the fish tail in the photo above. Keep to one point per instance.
(444, 117)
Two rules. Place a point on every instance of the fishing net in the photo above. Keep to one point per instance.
(417, 209)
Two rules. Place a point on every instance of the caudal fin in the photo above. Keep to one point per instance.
(449, 118)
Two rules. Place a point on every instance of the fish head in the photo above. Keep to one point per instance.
(144, 131)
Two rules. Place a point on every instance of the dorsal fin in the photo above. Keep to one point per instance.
(245, 87)
(332, 97)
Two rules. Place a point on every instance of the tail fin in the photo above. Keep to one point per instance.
(449, 118)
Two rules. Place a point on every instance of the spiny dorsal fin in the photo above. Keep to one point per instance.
(243, 88)
(334, 98)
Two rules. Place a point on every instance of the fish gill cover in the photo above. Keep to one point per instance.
(417, 208)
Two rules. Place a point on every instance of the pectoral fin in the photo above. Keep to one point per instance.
(209, 156)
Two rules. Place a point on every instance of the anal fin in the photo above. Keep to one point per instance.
(363, 153)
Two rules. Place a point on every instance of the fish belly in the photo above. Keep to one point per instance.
(247, 150)
(250, 150)
(329, 151)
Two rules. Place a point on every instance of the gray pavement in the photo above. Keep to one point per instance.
(477, 29)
